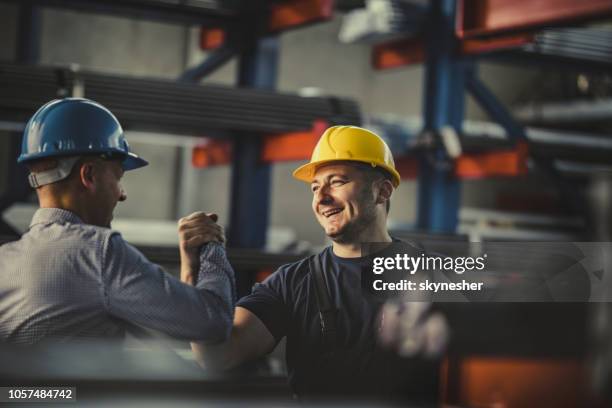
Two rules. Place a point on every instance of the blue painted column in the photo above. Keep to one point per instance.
(439, 192)
(250, 190)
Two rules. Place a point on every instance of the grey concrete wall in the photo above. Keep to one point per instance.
(113, 44)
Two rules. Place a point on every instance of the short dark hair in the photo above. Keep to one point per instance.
(373, 173)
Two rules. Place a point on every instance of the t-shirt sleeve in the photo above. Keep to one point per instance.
(269, 302)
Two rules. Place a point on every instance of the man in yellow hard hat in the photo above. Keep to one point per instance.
(331, 325)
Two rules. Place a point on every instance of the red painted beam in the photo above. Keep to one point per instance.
(519, 383)
(411, 51)
(398, 53)
(283, 16)
(211, 153)
(498, 163)
(479, 46)
(504, 163)
(295, 13)
(278, 147)
(476, 18)
(292, 146)
(211, 38)
(299, 146)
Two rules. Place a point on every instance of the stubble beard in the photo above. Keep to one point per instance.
(353, 231)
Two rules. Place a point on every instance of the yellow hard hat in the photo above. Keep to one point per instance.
(352, 143)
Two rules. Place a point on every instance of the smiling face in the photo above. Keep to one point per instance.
(344, 202)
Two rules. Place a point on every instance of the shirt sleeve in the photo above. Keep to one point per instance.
(141, 292)
(268, 302)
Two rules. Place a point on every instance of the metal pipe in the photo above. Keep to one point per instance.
(566, 112)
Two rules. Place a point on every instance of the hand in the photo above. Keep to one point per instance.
(411, 329)
(194, 231)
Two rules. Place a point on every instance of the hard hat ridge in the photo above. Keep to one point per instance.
(349, 143)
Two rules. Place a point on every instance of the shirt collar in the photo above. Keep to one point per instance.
(54, 215)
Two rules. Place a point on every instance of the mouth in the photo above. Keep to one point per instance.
(331, 212)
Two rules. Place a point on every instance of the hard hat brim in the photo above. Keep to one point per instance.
(132, 162)
(307, 172)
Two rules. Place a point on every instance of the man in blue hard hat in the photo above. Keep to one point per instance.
(70, 276)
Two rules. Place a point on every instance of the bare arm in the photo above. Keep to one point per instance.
(248, 340)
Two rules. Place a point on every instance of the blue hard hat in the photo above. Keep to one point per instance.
(73, 127)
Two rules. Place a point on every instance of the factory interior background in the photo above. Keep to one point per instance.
(547, 80)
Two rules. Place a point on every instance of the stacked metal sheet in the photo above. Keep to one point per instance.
(167, 106)
(577, 49)
(586, 44)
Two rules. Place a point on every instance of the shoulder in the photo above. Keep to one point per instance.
(69, 236)
(10, 246)
(86, 232)
(295, 273)
(116, 248)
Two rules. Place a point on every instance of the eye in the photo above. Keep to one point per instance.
(338, 182)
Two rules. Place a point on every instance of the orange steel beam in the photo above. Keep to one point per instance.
(294, 145)
(410, 51)
(493, 17)
(212, 152)
(283, 16)
(398, 53)
(295, 13)
(504, 163)
(278, 147)
(299, 146)
(479, 46)
(499, 163)
(518, 383)
(211, 38)
(289, 146)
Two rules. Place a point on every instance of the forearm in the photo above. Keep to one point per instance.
(249, 340)
(214, 357)
(189, 268)
(216, 280)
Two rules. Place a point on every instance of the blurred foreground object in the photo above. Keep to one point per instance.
(411, 329)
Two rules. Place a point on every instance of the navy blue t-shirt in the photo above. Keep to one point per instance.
(286, 303)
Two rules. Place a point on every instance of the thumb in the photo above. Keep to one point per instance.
(213, 216)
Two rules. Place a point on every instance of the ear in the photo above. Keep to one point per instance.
(385, 190)
(87, 175)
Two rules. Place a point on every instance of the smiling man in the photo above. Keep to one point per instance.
(318, 304)
(70, 276)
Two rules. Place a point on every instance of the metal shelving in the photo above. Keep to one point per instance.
(169, 106)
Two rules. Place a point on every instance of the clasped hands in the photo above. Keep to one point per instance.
(194, 231)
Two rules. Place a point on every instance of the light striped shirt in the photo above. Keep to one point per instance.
(65, 279)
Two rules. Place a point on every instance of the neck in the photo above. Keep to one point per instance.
(64, 202)
(377, 233)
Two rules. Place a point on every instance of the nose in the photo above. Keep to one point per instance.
(322, 196)
(123, 195)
